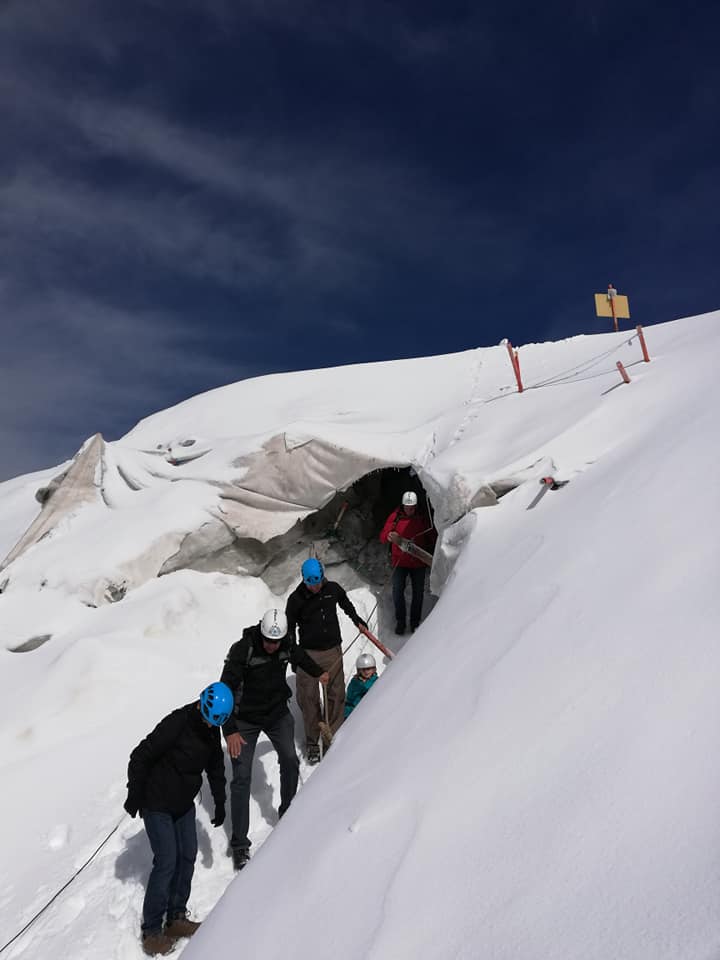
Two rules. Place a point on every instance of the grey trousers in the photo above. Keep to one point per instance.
(281, 734)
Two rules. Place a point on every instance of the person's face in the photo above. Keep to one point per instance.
(314, 587)
(410, 510)
(367, 672)
(270, 646)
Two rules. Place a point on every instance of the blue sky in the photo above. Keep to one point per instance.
(196, 192)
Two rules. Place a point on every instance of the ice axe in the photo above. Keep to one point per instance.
(333, 531)
(381, 646)
(325, 731)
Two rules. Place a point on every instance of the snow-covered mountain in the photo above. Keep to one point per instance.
(534, 776)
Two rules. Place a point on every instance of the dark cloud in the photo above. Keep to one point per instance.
(195, 193)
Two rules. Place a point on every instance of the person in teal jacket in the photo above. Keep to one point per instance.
(362, 681)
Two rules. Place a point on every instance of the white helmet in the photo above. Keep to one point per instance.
(274, 625)
(365, 661)
(409, 499)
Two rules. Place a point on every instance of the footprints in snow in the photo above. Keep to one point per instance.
(58, 837)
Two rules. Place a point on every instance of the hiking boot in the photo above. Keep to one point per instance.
(313, 753)
(155, 943)
(180, 926)
(399, 629)
(240, 857)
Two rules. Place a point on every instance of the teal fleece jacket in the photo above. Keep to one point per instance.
(357, 688)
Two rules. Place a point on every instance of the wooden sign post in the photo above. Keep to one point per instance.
(612, 304)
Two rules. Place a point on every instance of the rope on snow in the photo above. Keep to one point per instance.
(64, 887)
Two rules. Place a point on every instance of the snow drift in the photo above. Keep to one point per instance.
(534, 776)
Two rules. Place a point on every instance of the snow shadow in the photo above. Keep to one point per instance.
(205, 800)
(32, 644)
(262, 790)
(134, 863)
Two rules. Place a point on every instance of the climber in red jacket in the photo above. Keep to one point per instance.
(406, 522)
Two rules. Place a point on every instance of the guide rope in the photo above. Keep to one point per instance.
(64, 887)
(582, 367)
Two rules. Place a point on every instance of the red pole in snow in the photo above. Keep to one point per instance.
(517, 372)
(515, 361)
(641, 335)
(623, 372)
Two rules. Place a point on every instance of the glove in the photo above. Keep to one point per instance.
(219, 819)
(131, 805)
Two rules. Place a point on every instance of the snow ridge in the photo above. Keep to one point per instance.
(536, 773)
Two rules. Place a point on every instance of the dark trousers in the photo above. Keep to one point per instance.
(417, 580)
(281, 734)
(174, 847)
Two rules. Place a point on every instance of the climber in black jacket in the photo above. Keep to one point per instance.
(255, 670)
(312, 610)
(164, 777)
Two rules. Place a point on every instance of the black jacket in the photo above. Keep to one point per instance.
(257, 679)
(165, 769)
(315, 615)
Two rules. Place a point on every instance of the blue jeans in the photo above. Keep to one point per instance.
(417, 579)
(281, 734)
(174, 847)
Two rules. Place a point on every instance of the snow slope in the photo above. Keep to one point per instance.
(535, 775)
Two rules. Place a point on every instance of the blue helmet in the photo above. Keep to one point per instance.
(312, 572)
(216, 703)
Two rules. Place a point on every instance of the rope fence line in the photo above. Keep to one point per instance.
(64, 887)
(584, 366)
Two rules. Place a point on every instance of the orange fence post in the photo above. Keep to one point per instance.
(623, 372)
(641, 335)
(515, 361)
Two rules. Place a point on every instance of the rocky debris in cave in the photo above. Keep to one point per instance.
(343, 535)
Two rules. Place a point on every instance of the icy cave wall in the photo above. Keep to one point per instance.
(286, 502)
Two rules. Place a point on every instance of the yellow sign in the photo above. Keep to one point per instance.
(604, 309)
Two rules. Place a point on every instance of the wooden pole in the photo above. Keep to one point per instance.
(641, 335)
(611, 297)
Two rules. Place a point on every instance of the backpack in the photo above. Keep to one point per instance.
(249, 660)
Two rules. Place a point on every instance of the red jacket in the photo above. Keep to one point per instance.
(416, 528)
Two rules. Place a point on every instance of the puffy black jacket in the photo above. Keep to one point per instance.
(315, 615)
(165, 769)
(257, 678)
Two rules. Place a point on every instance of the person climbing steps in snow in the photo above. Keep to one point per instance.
(362, 681)
(312, 610)
(164, 777)
(255, 670)
(406, 522)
